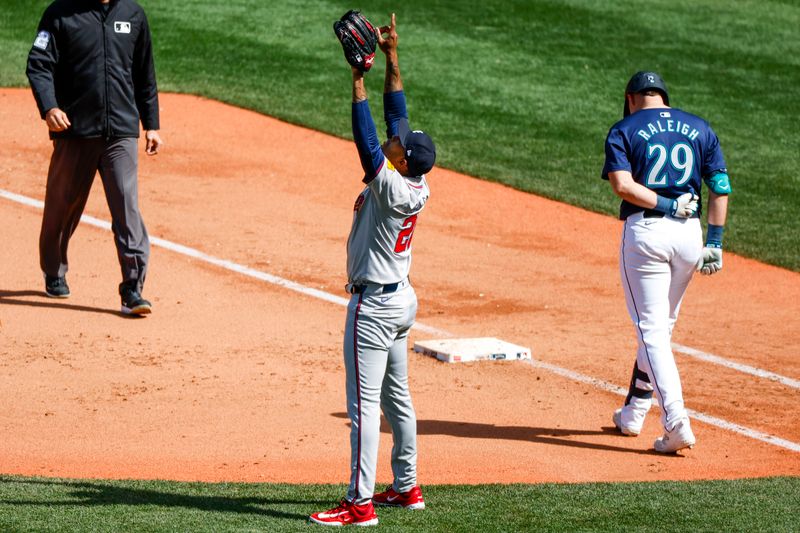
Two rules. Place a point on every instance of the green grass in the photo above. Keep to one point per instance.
(515, 91)
(39, 504)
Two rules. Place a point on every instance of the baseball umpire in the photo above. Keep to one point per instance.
(383, 304)
(91, 71)
(657, 159)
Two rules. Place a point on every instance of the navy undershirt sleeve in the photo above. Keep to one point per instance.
(394, 108)
(366, 137)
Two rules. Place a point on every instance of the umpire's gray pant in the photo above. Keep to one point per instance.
(69, 180)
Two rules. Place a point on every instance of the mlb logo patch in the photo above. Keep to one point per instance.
(122, 27)
(42, 40)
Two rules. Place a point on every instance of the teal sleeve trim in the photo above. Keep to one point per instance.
(720, 183)
(714, 236)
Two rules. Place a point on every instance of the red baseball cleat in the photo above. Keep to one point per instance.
(347, 513)
(409, 500)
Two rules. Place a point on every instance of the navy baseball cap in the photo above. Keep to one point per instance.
(645, 81)
(419, 147)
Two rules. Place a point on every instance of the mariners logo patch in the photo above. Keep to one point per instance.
(42, 40)
(122, 27)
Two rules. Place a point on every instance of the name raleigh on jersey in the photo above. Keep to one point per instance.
(672, 126)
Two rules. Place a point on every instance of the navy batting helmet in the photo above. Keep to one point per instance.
(645, 81)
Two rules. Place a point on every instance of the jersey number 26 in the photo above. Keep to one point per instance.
(404, 237)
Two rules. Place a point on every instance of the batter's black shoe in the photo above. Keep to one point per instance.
(132, 301)
(56, 287)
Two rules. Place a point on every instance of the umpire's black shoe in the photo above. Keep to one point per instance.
(56, 287)
(132, 301)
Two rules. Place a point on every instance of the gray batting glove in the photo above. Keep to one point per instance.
(711, 260)
(684, 206)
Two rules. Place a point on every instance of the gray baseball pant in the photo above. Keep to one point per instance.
(376, 369)
(72, 169)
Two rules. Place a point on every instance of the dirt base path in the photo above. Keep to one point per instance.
(236, 379)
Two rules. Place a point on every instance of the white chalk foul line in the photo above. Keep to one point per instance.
(24, 200)
(269, 278)
(708, 419)
(753, 371)
(322, 295)
(222, 263)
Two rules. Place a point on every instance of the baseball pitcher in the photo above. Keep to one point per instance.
(383, 304)
(657, 159)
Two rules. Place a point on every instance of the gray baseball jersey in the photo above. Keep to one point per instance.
(384, 218)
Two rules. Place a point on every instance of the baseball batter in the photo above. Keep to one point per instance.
(383, 304)
(657, 159)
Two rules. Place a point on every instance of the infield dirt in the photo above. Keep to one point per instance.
(238, 380)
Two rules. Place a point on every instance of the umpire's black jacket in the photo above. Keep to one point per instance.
(96, 67)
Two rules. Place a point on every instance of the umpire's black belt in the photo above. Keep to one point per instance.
(375, 288)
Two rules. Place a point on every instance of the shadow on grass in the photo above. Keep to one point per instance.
(104, 494)
(555, 436)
